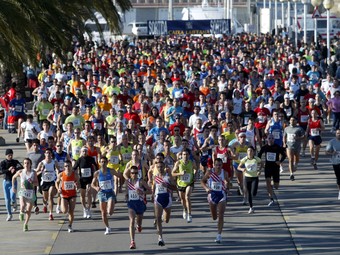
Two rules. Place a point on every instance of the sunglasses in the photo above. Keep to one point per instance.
(134, 172)
(58, 145)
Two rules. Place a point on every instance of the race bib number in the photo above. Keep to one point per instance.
(48, 177)
(185, 178)
(140, 175)
(315, 132)
(18, 108)
(261, 119)
(85, 172)
(133, 195)
(271, 156)
(114, 159)
(288, 112)
(276, 134)
(251, 167)
(69, 185)
(304, 118)
(45, 112)
(97, 126)
(27, 194)
(216, 186)
(105, 185)
(126, 157)
(223, 157)
(291, 138)
(160, 189)
(245, 121)
(76, 122)
(77, 151)
(60, 165)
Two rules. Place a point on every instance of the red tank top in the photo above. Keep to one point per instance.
(222, 154)
(303, 117)
(68, 187)
(314, 127)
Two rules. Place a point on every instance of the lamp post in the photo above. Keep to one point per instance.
(328, 4)
(295, 23)
(275, 21)
(316, 3)
(288, 19)
(283, 13)
(304, 2)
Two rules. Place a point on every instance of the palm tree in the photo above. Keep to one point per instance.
(28, 27)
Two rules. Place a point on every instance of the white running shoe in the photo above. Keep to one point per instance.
(70, 229)
(89, 214)
(189, 218)
(339, 196)
(185, 214)
(218, 238)
(281, 169)
(85, 213)
(107, 231)
(14, 207)
(9, 217)
(251, 210)
(57, 209)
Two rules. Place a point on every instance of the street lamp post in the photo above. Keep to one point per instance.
(304, 2)
(316, 3)
(328, 4)
(288, 19)
(283, 13)
(295, 23)
(275, 22)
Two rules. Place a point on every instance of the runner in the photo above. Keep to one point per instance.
(314, 128)
(251, 166)
(292, 137)
(8, 167)
(66, 185)
(214, 182)
(274, 157)
(85, 166)
(28, 180)
(103, 183)
(135, 192)
(185, 171)
(163, 181)
(49, 170)
(333, 148)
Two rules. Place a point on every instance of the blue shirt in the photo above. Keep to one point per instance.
(156, 131)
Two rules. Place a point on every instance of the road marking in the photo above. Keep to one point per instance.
(61, 222)
(286, 218)
(54, 236)
(292, 230)
(299, 247)
(48, 249)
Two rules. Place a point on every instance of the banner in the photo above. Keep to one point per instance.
(182, 27)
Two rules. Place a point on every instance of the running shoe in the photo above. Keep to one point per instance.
(89, 214)
(251, 210)
(36, 210)
(132, 245)
(218, 238)
(271, 203)
(281, 169)
(9, 217)
(94, 204)
(57, 209)
(315, 166)
(70, 229)
(25, 229)
(17, 139)
(189, 218)
(107, 231)
(21, 216)
(51, 217)
(292, 178)
(185, 214)
(45, 209)
(139, 228)
(85, 213)
(14, 207)
(160, 241)
(339, 196)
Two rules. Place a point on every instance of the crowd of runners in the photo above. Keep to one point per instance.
(151, 119)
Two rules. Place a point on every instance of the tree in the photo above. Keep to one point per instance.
(27, 27)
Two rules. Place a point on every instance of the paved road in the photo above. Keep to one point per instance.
(305, 220)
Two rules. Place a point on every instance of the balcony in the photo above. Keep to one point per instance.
(180, 3)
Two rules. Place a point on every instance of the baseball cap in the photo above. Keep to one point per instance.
(9, 151)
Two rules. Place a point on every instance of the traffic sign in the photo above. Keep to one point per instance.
(316, 13)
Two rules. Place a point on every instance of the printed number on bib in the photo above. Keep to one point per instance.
(291, 138)
(27, 194)
(223, 157)
(304, 118)
(216, 186)
(114, 159)
(85, 172)
(126, 157)
(18, 108)
(315, 132)
(160, 189)
(242, 155)
(271, 156)
(69, 185)
(185, 178)
(45, 112)
(105, 185)
(133, 195)
(48, 177)
(276, 134)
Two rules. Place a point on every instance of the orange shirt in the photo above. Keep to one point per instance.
(68, 187)
(205, 90)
